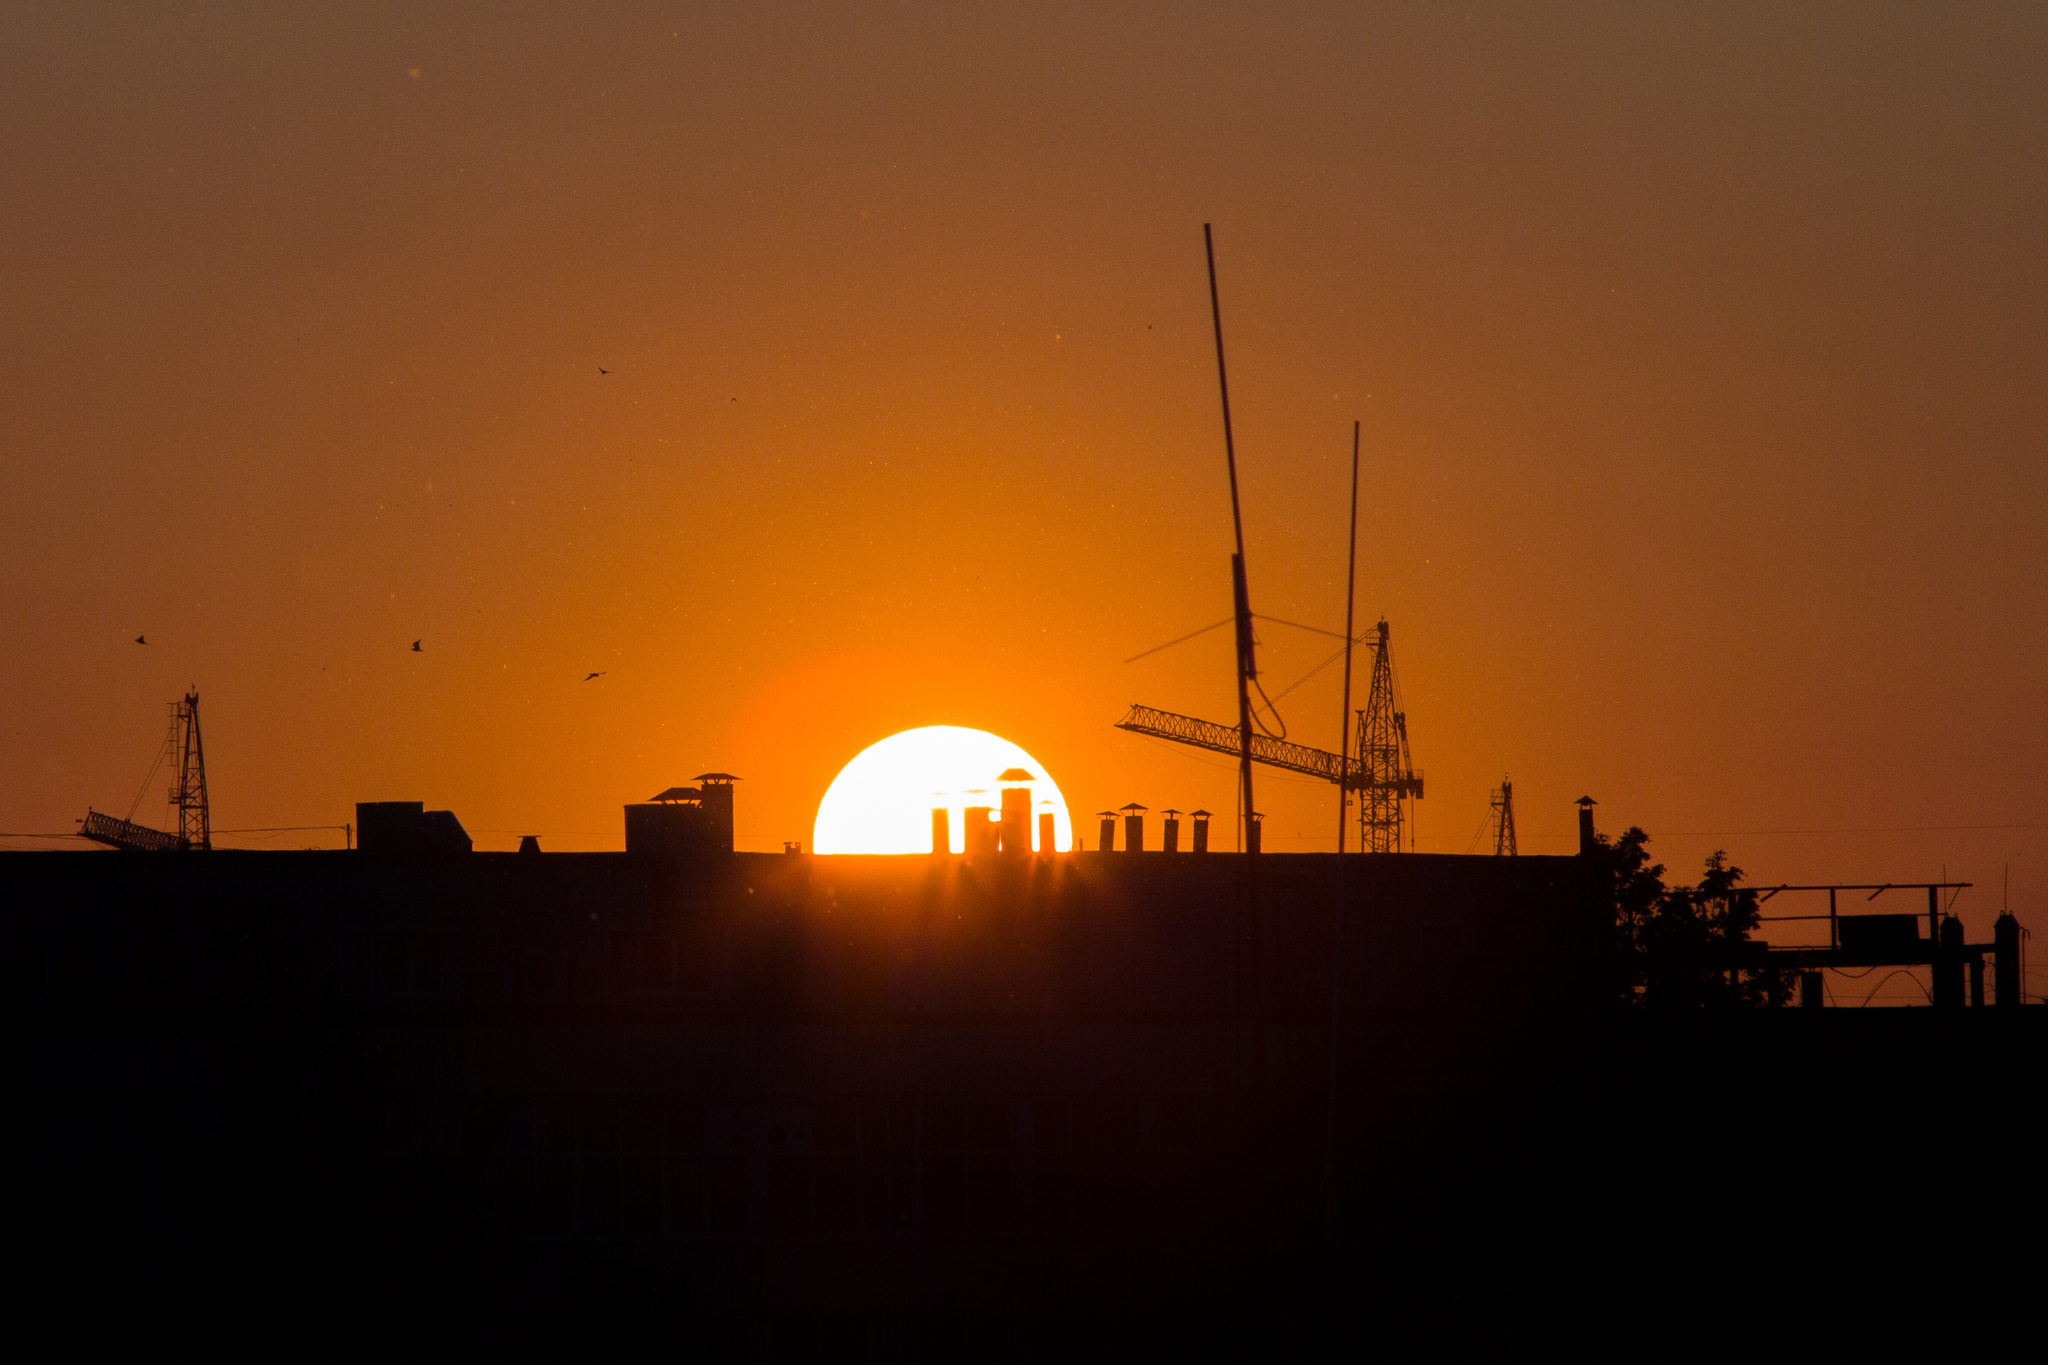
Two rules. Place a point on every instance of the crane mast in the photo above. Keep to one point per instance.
(195, 825)
(1503, 819)
(1387, 770)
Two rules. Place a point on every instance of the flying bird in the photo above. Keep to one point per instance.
(141, 639)
(416, 647)
(602, 370)
(593, 676)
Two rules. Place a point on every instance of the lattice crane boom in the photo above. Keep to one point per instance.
(1226, 739)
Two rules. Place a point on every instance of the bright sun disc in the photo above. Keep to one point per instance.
(882, 802)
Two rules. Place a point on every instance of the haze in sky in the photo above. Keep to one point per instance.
(814, 373)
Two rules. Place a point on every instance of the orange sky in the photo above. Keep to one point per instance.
(1699, 355)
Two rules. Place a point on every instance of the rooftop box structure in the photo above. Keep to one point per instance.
(1879, 933)
(407, 827)
(684, 821)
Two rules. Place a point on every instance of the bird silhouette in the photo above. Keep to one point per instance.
(602, 370)
(416, 647)
(141, 639)
(593, 676)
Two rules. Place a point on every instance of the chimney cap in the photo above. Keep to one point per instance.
(1169, 811)
(718, 778)
(1586, 802)
(1106, 814)
(1014, 775)
(1134, 806)
(1199, 814)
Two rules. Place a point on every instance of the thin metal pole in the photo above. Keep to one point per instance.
(1350, 604)
(1240, 589)
(1337, 911)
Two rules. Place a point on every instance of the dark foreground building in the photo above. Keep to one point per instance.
(764, 1108)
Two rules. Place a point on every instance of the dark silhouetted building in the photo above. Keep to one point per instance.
(735, 1106)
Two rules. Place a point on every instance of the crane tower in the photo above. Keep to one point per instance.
(188, 795)
(1386, 774)
(195, 827)
(1502, 818)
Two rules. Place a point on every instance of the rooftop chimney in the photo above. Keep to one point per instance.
(1016, 799)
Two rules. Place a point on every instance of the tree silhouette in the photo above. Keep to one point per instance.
(1678, 947)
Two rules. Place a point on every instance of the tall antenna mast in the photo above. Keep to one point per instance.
(1504, 820)
(1350, 602)
(1247, 668)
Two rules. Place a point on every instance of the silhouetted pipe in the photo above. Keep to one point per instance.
(1134, 834)
(715, 798)
(1199, 842)
(1589, 842)
(1047, 838)
(1108, 834)
(1016, 820)
(1254, 827)
(2006, 970)
(1169, 833)
(1948, 965)
(942, 830)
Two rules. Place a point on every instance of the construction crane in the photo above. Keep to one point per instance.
(1388, 774)
(1383, 772)
(1501, 814)
(188, 793)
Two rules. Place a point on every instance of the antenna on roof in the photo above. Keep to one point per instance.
(1247, 667)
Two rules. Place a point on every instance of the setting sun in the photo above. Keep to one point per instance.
(882, 801)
